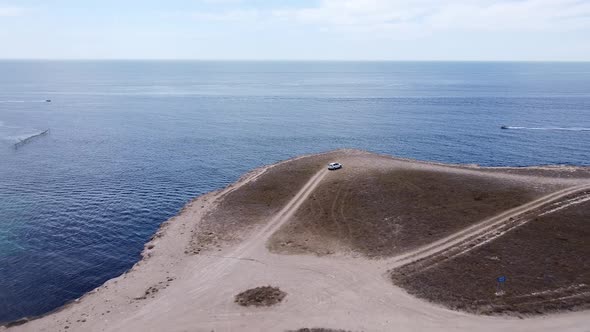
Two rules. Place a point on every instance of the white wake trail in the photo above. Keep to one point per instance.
(551, 128)
(22, 101)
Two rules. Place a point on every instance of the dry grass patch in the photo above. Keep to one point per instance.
(265, 296)
(317, 329)
(386, 211)
(546, 263)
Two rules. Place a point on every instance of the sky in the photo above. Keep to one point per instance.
(473, 30)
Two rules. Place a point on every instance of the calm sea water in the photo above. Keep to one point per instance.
(131, 142)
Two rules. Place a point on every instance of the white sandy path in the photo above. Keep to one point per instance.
(345, 292)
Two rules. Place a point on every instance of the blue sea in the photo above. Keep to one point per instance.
(131, 141)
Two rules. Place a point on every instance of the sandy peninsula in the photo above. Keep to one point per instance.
(384, 244)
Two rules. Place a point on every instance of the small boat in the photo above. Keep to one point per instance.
(504, 127)
(47, 100)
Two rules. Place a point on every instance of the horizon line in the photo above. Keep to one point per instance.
(286, 60)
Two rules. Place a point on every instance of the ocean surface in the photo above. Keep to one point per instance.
(131, 141)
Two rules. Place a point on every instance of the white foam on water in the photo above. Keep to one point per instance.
(21, 101)
(14, 138)
(15, 134)
(552, 128)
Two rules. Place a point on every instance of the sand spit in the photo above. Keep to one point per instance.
(218, 246)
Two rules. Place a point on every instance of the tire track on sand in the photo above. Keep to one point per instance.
(486, 226)
(255, 244)
(259, 238)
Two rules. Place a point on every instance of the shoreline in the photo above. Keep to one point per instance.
(161, 254)
(146, 253)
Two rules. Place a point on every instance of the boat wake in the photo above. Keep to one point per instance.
(549, 128)
(24, 101)
(29, 138)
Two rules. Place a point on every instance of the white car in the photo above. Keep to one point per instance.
(334, 166)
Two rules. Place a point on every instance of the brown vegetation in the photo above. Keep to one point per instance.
(545, 261)
(317, 329)
(260, 297)
(385, 210)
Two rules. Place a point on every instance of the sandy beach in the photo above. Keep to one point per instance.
(200, 259)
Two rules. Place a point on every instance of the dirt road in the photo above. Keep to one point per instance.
(258, 240)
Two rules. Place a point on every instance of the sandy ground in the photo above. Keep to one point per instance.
(172, 291)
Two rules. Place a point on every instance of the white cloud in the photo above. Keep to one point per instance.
(423, 16)
(529, 15)
(11, 11)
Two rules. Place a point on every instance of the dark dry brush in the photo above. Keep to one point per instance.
(546, 262)
(317, 329)
(256, 201)
(265, 296)
(384, 212)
